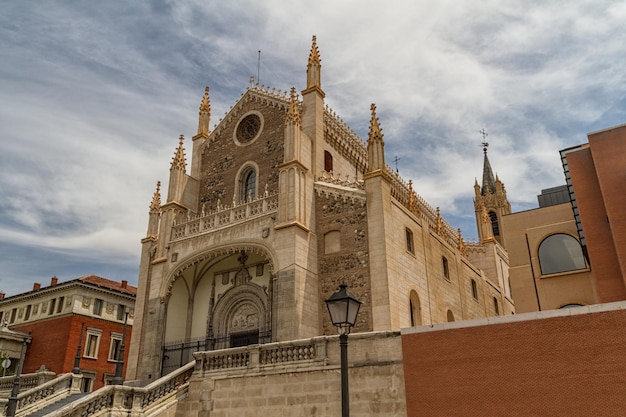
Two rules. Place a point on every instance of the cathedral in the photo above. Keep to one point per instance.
(280, 204)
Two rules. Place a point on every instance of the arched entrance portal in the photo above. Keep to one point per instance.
(217, 300)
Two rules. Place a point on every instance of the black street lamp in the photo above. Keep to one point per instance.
(12, 404)
(118, 380)
(76, 368)
(343, 308)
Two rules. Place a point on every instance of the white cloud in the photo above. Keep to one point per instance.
(94, 98)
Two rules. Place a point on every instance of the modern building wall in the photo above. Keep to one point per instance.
(531, 288)
(554, 363)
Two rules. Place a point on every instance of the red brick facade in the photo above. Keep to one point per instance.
(555, 366)
(55, 342)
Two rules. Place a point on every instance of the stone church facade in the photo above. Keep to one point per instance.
(282, 203)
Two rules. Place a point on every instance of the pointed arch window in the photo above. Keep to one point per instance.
(247, 184)
(494, 223)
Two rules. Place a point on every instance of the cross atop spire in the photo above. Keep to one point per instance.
(484, 134)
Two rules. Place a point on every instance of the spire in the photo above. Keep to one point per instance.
(293, 112)
(489, 182)
(375, 143)
(179, 161)
(155, 213)
(314, 68)
(155, 205)
(205, 114)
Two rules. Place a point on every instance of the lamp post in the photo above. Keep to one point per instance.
(118, 380)
(76, 368)
(12, 404)
(343, 308)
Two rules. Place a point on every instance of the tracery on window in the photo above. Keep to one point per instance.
(560, 253)
(247, 184)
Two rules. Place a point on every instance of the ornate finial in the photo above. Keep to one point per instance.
(314, 56)
(439, 222)
(461, 243)
(412, 205)
(252, 81)
(293, 112)
(375, 144)
(204, 114)
(314, 68)
(155, 205)
(375, 131)
(179, 160)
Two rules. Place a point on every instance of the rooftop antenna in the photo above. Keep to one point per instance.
(484, 134)
(258, 68)
(395, 160)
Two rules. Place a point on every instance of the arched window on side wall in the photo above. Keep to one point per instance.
(328, 161)
(416, 309)
(247, 185)
(495, 227)
(560, 253)
(450, 316)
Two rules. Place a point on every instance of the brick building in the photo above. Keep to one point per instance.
(595, 175)
(570, 250)
(282, 203)
(54, 316)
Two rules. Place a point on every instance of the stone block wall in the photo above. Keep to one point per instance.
(313, 388)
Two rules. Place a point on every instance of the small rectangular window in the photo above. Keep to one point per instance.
(409, 241)
(28, 310)
(121, 308)
(92, 343)
(474, 290)
(13, 314)
(116, 347)
(60, 305)
(446, 269)
(496, 307)
(97, 307)
(1, 316)
(52, 305)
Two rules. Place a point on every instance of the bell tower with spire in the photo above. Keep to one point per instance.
(490, 201)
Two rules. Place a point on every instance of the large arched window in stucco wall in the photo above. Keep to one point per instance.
(560, 253)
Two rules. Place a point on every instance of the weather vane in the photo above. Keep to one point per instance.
(485, 145)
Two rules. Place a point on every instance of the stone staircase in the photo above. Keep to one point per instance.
(57, 405)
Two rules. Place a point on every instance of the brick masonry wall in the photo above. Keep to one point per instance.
(223, 158)
(55, 341)
(558, 366)
(349, 265)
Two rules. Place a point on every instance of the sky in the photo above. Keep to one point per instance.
(94, 95)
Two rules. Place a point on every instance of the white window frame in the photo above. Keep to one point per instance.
(91, 334)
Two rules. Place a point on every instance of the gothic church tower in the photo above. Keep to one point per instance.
(490, 204)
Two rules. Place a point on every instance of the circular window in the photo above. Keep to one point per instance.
(248, 128)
